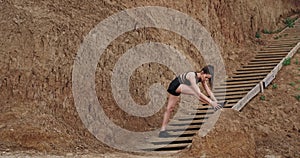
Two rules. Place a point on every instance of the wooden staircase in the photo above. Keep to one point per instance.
(238, 89)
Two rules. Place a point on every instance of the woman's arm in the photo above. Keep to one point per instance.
(208, 91)
(192, 78)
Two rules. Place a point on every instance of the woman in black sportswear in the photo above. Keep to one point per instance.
(187, 84)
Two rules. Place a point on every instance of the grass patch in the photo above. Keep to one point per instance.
(274, 86)
(262, 97)
(292, 84)
(290, 22)
(287, 61)
(265, 31)
(257, 35)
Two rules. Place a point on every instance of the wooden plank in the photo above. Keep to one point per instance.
(241, 82)
(159, 141)
(241, 103)
(256, 68)
(184, 127)
(163, 146)
(244, 78)
(266, 58)
(282, 40)
(249, 75)
(240, 89)
(271, 51)
(189, 111)
(237, 86)
(282, 45)
(189, 117)
(275, 49)
(272, 55)
(230, 93)
(186, 122)
(262, 62)
(250, 71)
(202, 111)
(258, 65)
(229, 97)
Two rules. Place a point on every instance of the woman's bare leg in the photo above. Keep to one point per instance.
(170, 107)
(184, 89)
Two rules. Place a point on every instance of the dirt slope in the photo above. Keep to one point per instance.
(269, 127)
(39, 41)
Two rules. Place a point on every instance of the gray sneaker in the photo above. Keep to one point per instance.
(163, 134)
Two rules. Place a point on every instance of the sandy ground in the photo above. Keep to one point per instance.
(38, 45)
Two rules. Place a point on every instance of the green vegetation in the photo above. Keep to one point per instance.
(287, 61)
(290, 22)
(257, 35)
(293, 84)
(297, 62)
(262, 97)
(265, 31)
(274, 86)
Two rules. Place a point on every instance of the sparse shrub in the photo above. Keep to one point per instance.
(289, 22)
(287, 61)
(262, 97)
(265, 31)
(257, 35)
(292, 84)
(274, 86)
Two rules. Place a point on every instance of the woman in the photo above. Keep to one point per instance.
(187, 84)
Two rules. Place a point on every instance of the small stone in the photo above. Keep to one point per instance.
(69, 155)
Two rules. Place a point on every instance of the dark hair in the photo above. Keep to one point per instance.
(209, 69)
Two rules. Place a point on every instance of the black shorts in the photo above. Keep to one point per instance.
(173, 86)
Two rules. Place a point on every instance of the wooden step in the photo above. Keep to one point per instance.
(161, 141)
(271, 51)
(186, 122)
(272, 55)
(249, 75)
(184, 127)
(191, 117)
(229, 97)
(166, 147)
(237, 86)
(276, 49)
(263, 62)
(240, 89)
(265, 58)
(256, 68)
(282, 40)
(259, 65)
(246, 78)
(230, 93)
(241, 82)
(282, 45)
